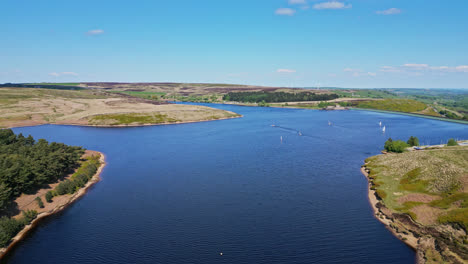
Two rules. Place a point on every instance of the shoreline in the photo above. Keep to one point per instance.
(363, 109)
(410, 240)
(34, 223)
(122, 126)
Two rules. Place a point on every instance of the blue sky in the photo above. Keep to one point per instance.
(354, 43)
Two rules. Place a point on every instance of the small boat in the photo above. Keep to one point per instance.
(273, 125)
(300, 134)
(281, 138)
(380, 123)
(329, 123)
(383, 129)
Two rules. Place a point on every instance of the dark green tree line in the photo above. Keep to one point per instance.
(26, 164)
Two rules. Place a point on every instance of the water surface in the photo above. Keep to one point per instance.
(184, 193)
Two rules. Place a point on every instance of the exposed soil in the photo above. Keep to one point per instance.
(417, 197)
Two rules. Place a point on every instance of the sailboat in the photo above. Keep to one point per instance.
(380, 123)
(300, 134)
(329, 123)
(281, 139)
(383, 129)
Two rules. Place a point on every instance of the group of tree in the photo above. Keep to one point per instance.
(26, 164)
(43, 86)
(400, 146)
(9, 227)
(275, 97)
(452, 115)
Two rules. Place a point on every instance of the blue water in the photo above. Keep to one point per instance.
(184, 193)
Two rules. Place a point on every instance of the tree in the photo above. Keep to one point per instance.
(49, 196)
(413, 141)
(452, 142)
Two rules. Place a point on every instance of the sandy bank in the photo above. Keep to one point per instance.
(57, 208)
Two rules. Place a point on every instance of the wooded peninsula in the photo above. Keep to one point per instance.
(37, 179)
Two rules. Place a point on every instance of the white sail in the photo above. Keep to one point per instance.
(380, 123)
(383, 129)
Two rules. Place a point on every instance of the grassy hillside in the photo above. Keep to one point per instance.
(398, 105)
(431, 186)
(31, 106)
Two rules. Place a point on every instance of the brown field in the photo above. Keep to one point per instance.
(25, 107)
(187, 89)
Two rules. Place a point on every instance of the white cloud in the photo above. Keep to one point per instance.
(285, 71)
(297, 2)
(95, 32)
(285, 11)
(413, 68)
(462, 68)
(390, 11)
(70, 73)
(332, 5)
(416, 66)
(389, 69)
(359, 72)
(57, 74)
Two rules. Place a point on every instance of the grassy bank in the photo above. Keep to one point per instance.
(431, 187)
(412, 114)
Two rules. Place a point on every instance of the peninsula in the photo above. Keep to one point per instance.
(44, 180)
(37, 106)
(421, 195)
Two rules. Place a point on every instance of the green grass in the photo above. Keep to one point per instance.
(365, 93)
(398, 105)
(457, 216)
(127, 119)
(447, 201)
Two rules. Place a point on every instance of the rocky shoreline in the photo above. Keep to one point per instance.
(80, 193)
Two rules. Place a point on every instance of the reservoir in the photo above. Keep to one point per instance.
(186, 193)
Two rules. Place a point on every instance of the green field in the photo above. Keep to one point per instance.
(129, 119)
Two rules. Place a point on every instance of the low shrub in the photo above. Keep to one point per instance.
(39, 202)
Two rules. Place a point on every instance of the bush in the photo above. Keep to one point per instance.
(39, 202)
(452, 142)
(28, 216)
(397, 146)
(49, 196)
(413, 141)
(61, 189)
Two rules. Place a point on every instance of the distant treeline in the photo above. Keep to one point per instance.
(45, 86)
(276, 97)
(26, 164)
